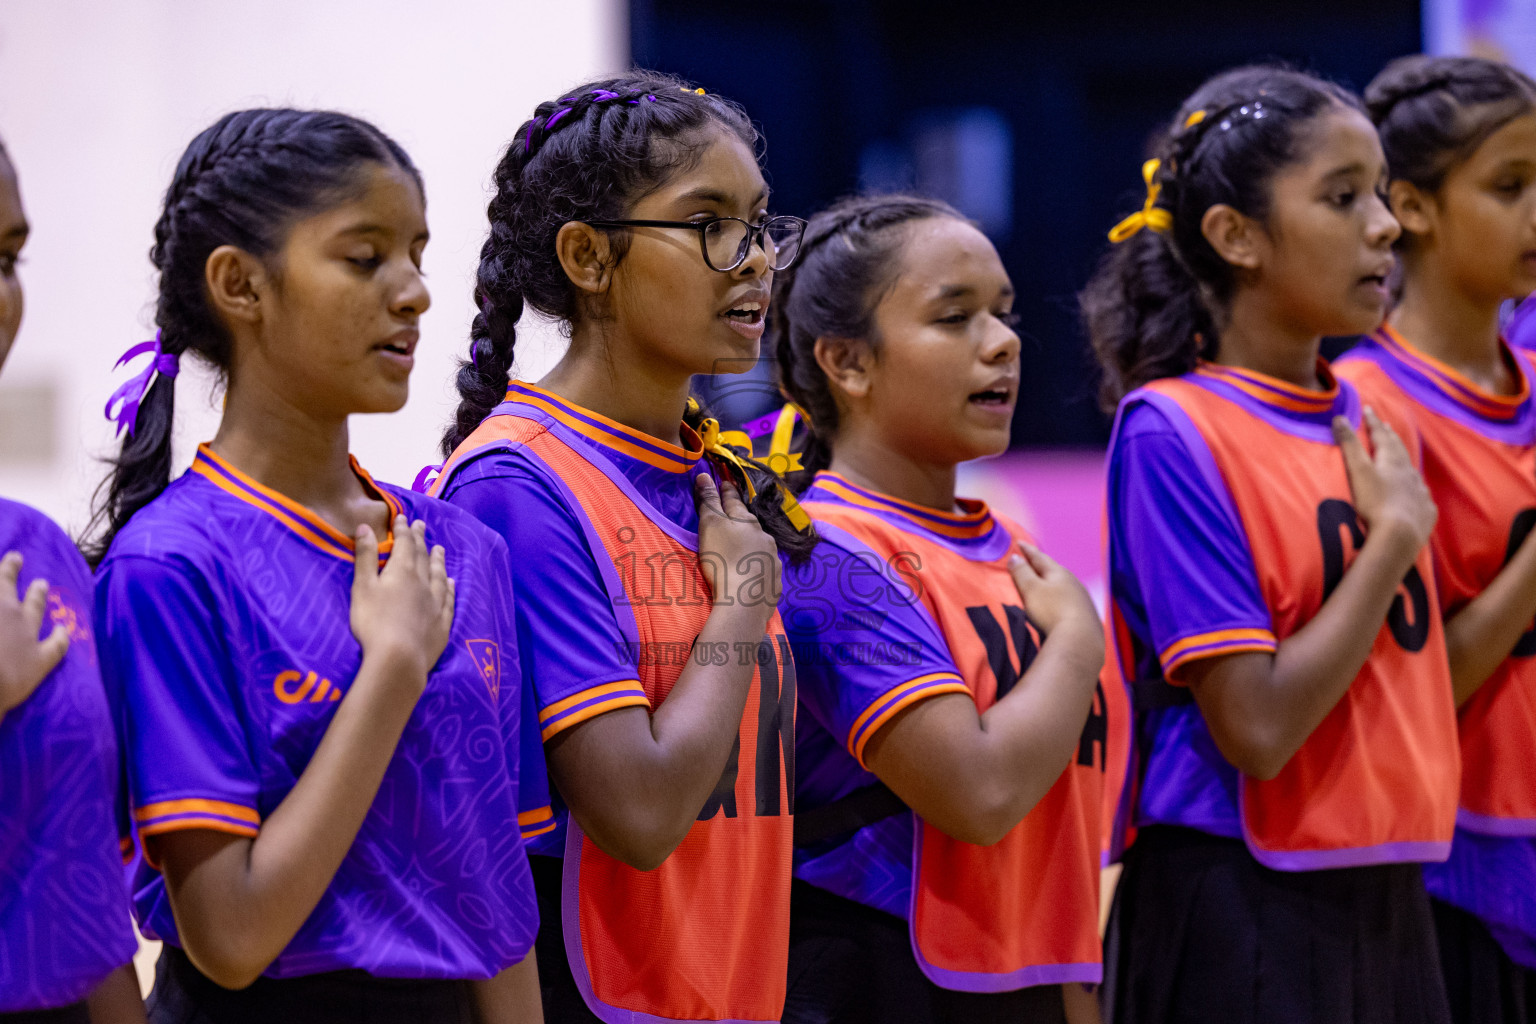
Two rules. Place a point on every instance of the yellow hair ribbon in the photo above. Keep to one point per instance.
(715, 442)
(1194, 119)
(780, 459)
(1150, 216)
(697, 92)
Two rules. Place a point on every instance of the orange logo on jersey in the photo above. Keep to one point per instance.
(488, 660)
(61, 613)
(282, 687)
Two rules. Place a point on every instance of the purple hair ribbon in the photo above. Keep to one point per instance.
(132, 392)
(426, 478)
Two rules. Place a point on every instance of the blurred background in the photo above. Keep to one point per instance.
(1032, 118)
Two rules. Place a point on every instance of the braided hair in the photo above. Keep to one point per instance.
(848, 262)
(1153, 306)
(587, 156)
(243, 181)
(1433, 112)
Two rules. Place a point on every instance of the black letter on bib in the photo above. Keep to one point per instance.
(1095, 731)
(991, 634)
(775, 724)
(725, 790)
(1408, 617)
(1518, 531)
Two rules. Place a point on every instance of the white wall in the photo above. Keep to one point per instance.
(97, 100)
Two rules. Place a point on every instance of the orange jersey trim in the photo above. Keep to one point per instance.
(959, 525)
(310, 527)
(1215, 643)
(893, 701)
(1453, 383)
(1275, 392)
(537, 822)
(609, 432)
(590, 703)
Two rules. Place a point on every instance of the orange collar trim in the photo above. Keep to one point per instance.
(310, 527)
(611, 433)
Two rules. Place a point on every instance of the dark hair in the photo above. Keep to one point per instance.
(1433, 112)
(848, 262)
(589, 155)
(244, 181)
(1152, 308)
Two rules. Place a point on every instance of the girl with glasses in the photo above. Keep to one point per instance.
(633, 210)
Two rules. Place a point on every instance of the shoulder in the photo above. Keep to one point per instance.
(453, 527)
(39, 539)
(179, 527)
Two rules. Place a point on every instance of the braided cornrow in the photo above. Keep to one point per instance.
(1153, 307)
(847, 263)
(243, 181)
(1433, 112)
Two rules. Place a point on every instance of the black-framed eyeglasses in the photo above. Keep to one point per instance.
(726, 241)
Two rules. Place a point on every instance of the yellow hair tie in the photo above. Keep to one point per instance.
(715, 442)
(697, 92)
(1194, 119)
(780, 459)
(1150, 216)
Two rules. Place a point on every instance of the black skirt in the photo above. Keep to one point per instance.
(1484, 985)
(74, 1013)
(563, 1003)
(184, 995)
(1200, 931)
(852, 964)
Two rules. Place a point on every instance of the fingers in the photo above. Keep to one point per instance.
(1025, 575)
(1043, 564)
(422, 554)
(53, 648)
(1355, 458)
(445, 617)
(10, 571)
(365, 561)
(1383, 438)
(706, 495)
(34, 606)
(731, 503)
(437, 574)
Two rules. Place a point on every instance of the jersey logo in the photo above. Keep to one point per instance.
(307, 690)
(488, 660)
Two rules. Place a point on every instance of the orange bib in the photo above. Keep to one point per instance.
(705, 936)
(1024, 911)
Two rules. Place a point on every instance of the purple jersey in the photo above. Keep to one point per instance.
(576, 658)
(1184, 583)
(64, 920)
(224, 617)
(865, 648)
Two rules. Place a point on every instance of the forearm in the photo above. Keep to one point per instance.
(1028, 737)
(1262, 709)
(1483, 634)
(116, 1000)
(272, 889)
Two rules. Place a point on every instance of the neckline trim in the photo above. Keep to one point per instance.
(610, 433)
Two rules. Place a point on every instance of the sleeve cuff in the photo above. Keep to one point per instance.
(590, 703)
(536, 822)
(1213, 644)
(184, 815)
(893, 701)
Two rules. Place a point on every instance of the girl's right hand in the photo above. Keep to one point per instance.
(27, 660)
(1051, 594)
(1389, 493)
(740, 562)
(404, 611)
